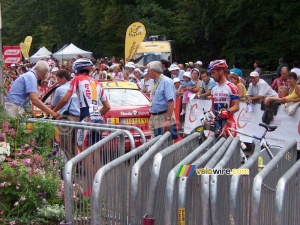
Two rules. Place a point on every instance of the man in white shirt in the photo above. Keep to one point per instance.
(258, 89)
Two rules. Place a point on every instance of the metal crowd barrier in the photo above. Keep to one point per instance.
(171, 190)
(287, 200)
(269, 77)
(140, 181)
(240, 190)
(79, 174)
(190, 192)
(163, 162)
(264, 185)
(110, 200)
(205, 182)
(220, 184)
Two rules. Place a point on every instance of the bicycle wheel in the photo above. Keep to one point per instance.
(265, 157)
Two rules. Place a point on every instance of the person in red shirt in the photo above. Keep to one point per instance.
(282, 80)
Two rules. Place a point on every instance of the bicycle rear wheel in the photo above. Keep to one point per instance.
(265, 157)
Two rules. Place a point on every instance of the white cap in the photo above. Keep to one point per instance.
(199, 63)
(175, 80)
(189, 64)
(130, 65)
(54, 69)
(254, 74)
(173, 67)
(187, 74)
(138, 69)
(145, 72)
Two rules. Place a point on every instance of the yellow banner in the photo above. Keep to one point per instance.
(24, 50)
(28, 41)
(135, 35)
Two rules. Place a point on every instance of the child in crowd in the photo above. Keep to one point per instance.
(177, 85)
(186, 94)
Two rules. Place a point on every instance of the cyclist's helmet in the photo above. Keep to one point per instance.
(82, 63)
(217, 64)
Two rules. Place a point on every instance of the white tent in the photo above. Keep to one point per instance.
(71, 52)
(42, 53)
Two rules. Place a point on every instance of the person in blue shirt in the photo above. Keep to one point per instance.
(69, 112)
(162, 102)
(24, 90)
(206, 85)
(186, 92)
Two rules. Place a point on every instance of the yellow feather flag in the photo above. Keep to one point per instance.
(28, 41)
(24, 50)
(135, 35)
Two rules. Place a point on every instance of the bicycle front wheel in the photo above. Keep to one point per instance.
(266, 157)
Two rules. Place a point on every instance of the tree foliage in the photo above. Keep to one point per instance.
(203, 30)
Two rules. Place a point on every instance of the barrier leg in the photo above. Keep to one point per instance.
(148, 221)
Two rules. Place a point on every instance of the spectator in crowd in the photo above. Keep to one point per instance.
(177, 84)
(258, 89)
(281, 63)
(130, 68)
(176, 72)
(282, 80)
(147, 83)
(22, 69)
(162, 102)
(198, 65)
(96, 74)
(117, 74)
(296, 69)
(234, 78)
(257, 67)
(186, 86)
(165, 66)
(24, 89)
(180, 66)
(69, 112)
(236, 69)
(293, 93)
(125, 75)
(206, 85)
(138, 76)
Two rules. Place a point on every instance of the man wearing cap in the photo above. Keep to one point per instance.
(176, 72)
(162, 101)
(24, 89)
(258, 89)
(147, 83)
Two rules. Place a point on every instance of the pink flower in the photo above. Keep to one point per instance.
(17, 187)
(5, 126)
(29, 151)
(16, 204)
(2, 212)
(3, 184)
(26, 162)
(37, 158)
(23, 198)
(12, 132)
(38, 186)
(12, 223)
(13, 163)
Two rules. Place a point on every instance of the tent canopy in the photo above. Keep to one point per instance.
(71, 52)
(42, 53)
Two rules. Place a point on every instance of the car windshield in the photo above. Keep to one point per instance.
(126, 97)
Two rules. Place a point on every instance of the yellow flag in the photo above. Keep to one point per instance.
(24, 50)
(135, 35)
(28, 41)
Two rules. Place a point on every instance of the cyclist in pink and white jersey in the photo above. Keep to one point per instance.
(225, 97)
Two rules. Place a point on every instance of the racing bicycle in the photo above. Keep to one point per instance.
(221, 129)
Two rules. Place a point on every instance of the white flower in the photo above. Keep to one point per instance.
(16, 204)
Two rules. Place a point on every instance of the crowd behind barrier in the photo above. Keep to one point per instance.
(122, 188)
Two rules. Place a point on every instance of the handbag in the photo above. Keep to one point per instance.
(291, 107)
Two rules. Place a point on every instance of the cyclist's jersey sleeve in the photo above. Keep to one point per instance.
(223, 95)
(90, 92)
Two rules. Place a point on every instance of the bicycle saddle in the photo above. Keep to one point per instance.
(268, 127)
